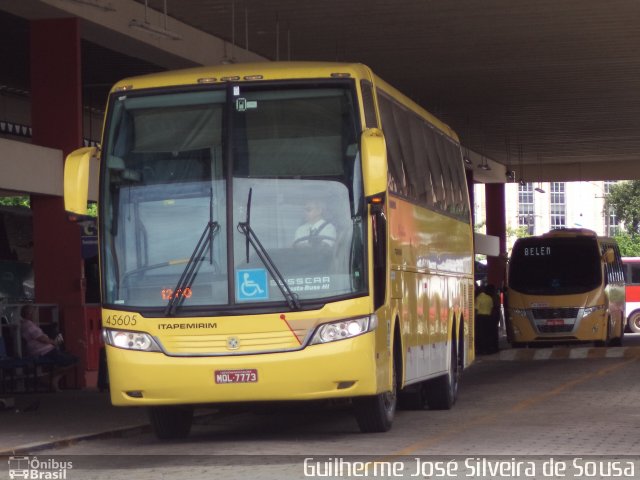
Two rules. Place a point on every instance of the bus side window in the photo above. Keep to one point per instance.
(397, 178)
(368, 103)
(423, 176)
(435, 167)
(447, 177)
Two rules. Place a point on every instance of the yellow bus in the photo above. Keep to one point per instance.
(565, 286)
(279, 232)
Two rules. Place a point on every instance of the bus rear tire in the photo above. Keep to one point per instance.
(170, 423)
(442, 392)
(634, 322)
(375, 414)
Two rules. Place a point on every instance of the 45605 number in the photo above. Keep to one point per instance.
(121, 320)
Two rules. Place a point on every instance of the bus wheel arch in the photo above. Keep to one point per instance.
(618, 340)
(607, 335)
(442, 391)
(376, 413)
(461, 345)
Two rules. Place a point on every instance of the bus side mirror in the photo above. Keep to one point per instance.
(76, 179)
(608, 256)
(374, 161)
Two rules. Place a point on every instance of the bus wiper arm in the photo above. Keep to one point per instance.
(191, 268)
(252, 238)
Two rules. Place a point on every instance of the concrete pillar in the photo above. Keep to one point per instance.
(56, 118)
(496, 225)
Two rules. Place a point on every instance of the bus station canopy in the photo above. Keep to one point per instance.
(547, 89)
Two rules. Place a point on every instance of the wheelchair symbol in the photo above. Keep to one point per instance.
(249, 288)
(251, 284)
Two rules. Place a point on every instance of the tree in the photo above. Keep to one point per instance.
(624, 199)
(629, 244)
(21, 201)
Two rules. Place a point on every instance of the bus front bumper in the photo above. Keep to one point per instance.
(587, 329)
(338, 369)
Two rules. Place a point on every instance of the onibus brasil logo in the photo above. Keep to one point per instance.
(33, 468)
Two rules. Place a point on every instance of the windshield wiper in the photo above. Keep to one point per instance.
(191, 268)
(252, 238)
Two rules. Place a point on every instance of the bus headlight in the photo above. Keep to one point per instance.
(589, 310)
(343, 329)
(130, 340)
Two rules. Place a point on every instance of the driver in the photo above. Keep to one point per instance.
(316, 231)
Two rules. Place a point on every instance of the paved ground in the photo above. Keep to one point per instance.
(518, 403)
(45, 419)
(51, 420)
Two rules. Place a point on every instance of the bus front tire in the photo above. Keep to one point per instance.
(442, 391)
(171, 422)
(375, 414)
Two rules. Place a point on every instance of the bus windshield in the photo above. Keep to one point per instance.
(555, 266)
(185, 172)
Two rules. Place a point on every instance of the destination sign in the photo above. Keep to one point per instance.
(537, 251)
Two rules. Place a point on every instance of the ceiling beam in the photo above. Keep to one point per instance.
(109, 23)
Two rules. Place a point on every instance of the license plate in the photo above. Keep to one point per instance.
(556, 322)
(236, 376)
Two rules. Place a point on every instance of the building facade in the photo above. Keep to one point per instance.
(535, 208)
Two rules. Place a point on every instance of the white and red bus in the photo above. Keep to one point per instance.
(632, 291)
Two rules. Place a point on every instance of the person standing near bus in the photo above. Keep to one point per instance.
(484, 309)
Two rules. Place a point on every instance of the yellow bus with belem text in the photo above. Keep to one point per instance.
(565, 286)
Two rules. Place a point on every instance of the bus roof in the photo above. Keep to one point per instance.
(239, 72)
(570, 232)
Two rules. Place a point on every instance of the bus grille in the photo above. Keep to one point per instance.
(232, 344)
(549, 313)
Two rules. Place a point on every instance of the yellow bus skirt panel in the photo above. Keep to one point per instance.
(339, 369)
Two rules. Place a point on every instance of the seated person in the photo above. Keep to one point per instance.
(38, 344)
(316, 231)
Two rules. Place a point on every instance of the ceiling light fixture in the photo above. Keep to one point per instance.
(509, 173)
(539, 188)
(95, 4)
(467, 158)
(484, 165)
(521, 182)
